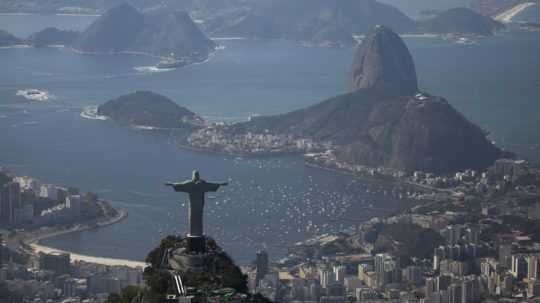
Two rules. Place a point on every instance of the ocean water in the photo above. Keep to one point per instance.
(270, 202)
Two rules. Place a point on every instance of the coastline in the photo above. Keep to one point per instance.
(508, 15)
(32, 241)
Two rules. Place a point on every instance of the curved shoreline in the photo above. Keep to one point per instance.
(508, 15)
(33, 242)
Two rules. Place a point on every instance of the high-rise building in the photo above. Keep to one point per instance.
(438, 256)
(325, 277)
(298, 289)
(262, 265)
(455, 293)
(430, 288)
(61, 194)
(10, 199)
(533, 289)
(505, 255)
(519, 267)
(470, 290)
(387, 269)
(314, 291)
(70, 288)
(452, 234)
(412, 274)
(339, 273)
(74, 204)
(442, 282)
(379, 262)
(507, 285)
(532, 264)
(48, 191)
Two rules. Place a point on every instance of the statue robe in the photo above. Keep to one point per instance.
(196, 191)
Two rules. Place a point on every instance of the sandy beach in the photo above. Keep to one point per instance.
(33, 242)
(507, 16)
(37, 248)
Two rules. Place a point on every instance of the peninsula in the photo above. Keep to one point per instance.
(384, 121)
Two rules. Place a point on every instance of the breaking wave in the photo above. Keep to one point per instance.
(91, 112)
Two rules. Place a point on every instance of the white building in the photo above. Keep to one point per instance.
(48, 191)
(28, 183)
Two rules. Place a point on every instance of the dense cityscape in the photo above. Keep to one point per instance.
(476, 239)
(30, 211)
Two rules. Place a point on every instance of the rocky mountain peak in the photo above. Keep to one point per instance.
(383, 62)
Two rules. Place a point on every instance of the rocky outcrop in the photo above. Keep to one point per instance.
(384, 121)
(383, 62)
(220, 280)
(52, 36)
(160, 33)
(149, 109)
(460, 21)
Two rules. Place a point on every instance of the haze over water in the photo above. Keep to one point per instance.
(494, 83)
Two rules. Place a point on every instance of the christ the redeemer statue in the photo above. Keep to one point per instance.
(196, 188)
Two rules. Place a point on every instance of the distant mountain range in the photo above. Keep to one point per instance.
(384, 120)
(164, 27)
(309, 20)
(124, 29)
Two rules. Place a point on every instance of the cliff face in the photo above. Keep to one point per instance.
(161, 33)
(383, 122)
(383, 62)
(460, 20)
(148, 109)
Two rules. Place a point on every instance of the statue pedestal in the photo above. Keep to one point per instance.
(196, 244)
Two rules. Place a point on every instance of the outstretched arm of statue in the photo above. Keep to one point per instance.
(181, 187)
(214, 186)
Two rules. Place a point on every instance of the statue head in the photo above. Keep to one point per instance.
(196, 176)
